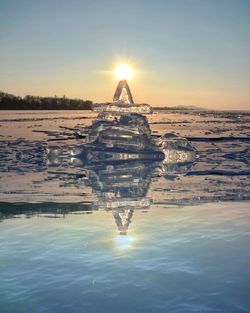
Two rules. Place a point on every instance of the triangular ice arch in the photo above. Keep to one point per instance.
(123, 218)
(123, 93)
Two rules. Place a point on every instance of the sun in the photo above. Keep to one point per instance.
(123, 71)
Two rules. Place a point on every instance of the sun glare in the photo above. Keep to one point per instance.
(123, 71)
(124, 242)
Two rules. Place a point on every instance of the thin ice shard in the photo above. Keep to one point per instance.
(123, 93)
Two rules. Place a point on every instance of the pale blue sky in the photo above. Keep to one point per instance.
(184, 51)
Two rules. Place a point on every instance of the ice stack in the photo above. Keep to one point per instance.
(121, 132)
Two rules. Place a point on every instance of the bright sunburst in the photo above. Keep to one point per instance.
(123, 71)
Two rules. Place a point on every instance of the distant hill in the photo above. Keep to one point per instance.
(181, 107)
(12, 102)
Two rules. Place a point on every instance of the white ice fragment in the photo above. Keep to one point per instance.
(121, 108)
(176, 149)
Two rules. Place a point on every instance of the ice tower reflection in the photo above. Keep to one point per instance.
(124, 187)
(121, 188)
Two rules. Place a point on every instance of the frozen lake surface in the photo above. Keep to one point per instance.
(127, 237)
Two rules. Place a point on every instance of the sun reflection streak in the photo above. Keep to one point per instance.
(124, 242)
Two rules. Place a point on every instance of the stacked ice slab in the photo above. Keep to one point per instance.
(121, 132)
(122, 102)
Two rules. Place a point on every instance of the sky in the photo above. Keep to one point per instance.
(182, 52)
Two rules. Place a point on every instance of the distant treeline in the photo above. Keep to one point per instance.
(12, 102)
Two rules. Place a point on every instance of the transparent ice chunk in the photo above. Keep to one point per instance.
(124, 137)
(121, 108)
(136, 121)
(176, 149)
(123, 93)
(130, 132)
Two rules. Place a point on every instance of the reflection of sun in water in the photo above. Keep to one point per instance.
(124, 242)
(123, 71)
